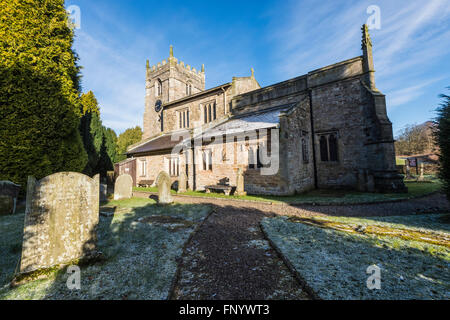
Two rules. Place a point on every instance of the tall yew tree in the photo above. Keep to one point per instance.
(443, 140)
(99, 142)
(39, 91)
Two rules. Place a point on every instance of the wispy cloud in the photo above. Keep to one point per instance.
(281, 41)
(117, 81)
(402, 96)
(411, 50)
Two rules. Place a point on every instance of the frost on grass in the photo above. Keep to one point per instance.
(259, 244)
(334, 263)
(11, 233)
(140, 258)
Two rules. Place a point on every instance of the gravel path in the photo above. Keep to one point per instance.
(228, 257)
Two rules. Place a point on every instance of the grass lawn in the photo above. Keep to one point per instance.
(415, 189)
(332, 254)
(140, 244)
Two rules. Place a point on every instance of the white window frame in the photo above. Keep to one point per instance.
(143, 168)
(174, 166)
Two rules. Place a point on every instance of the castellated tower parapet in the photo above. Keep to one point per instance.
(167, 81)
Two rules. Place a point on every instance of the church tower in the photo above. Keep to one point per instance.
(165, 82)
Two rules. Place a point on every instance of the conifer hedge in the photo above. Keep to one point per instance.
(39, 91)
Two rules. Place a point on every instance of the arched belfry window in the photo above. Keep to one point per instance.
(158, 87)
(188, 88)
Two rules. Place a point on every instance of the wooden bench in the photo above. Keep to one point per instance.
(225, 189)
(145, 183)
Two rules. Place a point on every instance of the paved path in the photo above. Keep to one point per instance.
(228, 257)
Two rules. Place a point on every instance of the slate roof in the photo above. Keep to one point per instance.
(248, 122)
(163, 142)
(238, 124)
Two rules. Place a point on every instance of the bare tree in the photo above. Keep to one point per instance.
(415, 139)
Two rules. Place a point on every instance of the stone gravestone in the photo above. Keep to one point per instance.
(421, 177)
(163, 183)
(123, 188)
(61, 216)
(103, 192)
(182, 183)
(408, 170)
(240, 183)
(9, 192)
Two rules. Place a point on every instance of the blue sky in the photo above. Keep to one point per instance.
(279, 39)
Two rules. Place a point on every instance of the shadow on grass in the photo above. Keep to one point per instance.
(139, 258)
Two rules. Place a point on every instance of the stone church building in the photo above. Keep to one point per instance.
(325, 129)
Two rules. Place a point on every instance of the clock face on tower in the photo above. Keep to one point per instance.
(158, 105)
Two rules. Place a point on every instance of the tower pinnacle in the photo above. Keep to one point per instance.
(171, 51)
(368, 68)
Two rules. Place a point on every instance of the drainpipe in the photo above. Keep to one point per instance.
(224, 101)
(313, 138)
(194, 175)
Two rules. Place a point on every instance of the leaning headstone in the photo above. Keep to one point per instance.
(182, 183)
(61, 216)
(240, 183)
(9, 192)
(163, 183)
(123, 188)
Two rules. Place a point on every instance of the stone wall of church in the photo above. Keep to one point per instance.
(180, 75)
(295, 137)
(237, 155)
(338, 110)
(196, 111)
